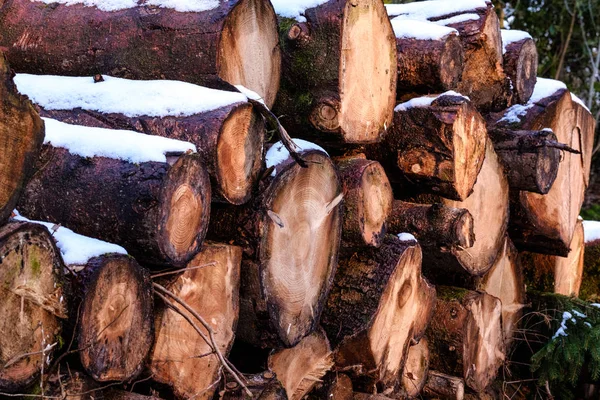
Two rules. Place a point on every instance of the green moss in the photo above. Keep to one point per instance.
(35, 267)
(449, 293)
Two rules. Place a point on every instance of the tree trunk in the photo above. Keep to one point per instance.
(445, 387)
(433, 225)
(367, 201)
(416, 369)
(427, 65)
(229, 137)
(465, 336)
(301, 367)
(378, 305)
(32, 302)
(438, 147)
(21, 138)
(181, 358)
(520, 65)
(338, 71)
(233, 43)
(158, 211)
(291, 235)
(530, 158)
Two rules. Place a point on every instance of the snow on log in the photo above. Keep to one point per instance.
(338, 70)
(379, 304)
(181, 358)
(520, 63)
(437, 143)
(444, 387)
(291, 235)
(141, 192)
(227, 134)
(228, 43)
(367, 201)
(33, 302)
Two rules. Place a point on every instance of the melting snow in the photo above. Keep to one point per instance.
(295, 8)
(425, 101)
(543, 88)
(511, 36)
(421, 30)
(278, 153)
(115, 5)
(406, 237)
(424, 10)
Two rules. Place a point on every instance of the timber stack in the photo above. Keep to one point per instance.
(160, 231)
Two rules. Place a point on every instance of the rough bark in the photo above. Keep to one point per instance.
(338, 72)
(233, 43)
(367, 201)
(433, 225)
(530, 158)
(32, 302)
(416, 370)
(445, 387)
(21, 138)
(439, 148)
(301, 367)
(229, 141)
(291, 235)
(465, 336)
(158, 211)
(378, 305)
(520, 65)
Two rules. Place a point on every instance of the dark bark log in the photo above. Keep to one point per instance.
(338, 72)
(291, 235)
(465, 336)
(32, 302)
(439, 148)
(234, 43)
(378, 305)
(21, 138)
(433, 225)
(530, 158)
(157, 211)
(520, 65)
(263, 386)
(367, 201)
(445, 387)
(181, 358)
(416, 370)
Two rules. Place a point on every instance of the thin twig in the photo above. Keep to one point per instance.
(210, 264)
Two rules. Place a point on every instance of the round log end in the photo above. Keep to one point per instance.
(451, 62)
(184, 210)
(376, 204)
(416, 368)
(249, 53)
(368, 72)
(525, 75)
(239, 154)
(116, 323)
(325, 115)
(546, 168)
(464, 229)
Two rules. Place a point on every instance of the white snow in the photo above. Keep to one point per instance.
(424, 10)
(76, 249)
(278, 153)
(251, 95)
(133, 98)
(406, 237)
(457, 19)
(591, 230)
(543, 88)
(579, 101)
(115, 5)
(420, 30)
(511, 36)
(295, 8)
(572, 315)
(425, 101)
(130, 146)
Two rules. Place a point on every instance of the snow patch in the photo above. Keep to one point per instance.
(116, 5)
(543, 88)
(251, 95)
(420, 30)
(407, 237)
(512, 36)
(295, 8)
(457, 19)
(425, 101)
(278, 153)
(423, 10)
(75, 249)
(579, 101)
(591, 230)
(184, 5)
(133, 98)
(130, 146)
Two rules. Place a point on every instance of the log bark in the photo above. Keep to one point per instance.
(433, 225)
(338, 72)
(378, 305)
(229, 141)
(233, 43)
(115, 328)
(158, 211)
(465, 336)
(530, 158)
(439, 148)
(367, 201)
(181, 358)
(416, 369)
(32, 302)
(442, 386)
(301, 367)
(21, 138)
(520, 61)
(291, 235)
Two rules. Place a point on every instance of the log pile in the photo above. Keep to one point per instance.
(165, 239)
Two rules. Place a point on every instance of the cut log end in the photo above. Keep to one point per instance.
(302, 211)
(444, 386)
(249, 52)
(239, 154)
(367, 71)
(416, 369)
(520, 64)
(116, 321)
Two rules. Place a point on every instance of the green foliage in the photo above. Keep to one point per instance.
(591, 213)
